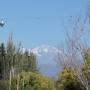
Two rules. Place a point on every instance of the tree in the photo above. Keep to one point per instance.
(32, 62)
(68, 81)
(10, 55)
(2, 61)
(73, 54)
(31, 81)
(29, 61)
(86, 68)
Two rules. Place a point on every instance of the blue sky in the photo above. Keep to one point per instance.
(37, 22)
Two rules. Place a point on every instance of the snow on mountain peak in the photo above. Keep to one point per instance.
(39, 50)
(45, 49)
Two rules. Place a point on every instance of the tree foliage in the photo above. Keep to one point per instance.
(31, 81)
(14, 60)
(68, 81)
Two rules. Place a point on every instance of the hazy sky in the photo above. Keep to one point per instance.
(37, 22)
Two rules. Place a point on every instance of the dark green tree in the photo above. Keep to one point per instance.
(2, 61)
(10, 55)
(29, 62)
(32, 62)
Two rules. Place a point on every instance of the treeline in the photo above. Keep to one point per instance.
(18, 71)
(13, 60)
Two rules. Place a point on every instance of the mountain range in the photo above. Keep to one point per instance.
(46, 57)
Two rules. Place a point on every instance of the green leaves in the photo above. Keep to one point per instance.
(32, 81)
(68, 81)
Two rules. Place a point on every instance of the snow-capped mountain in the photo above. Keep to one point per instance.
(44, 49)
(46, 55)
(39, 50)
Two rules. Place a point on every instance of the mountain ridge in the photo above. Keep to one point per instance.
(46, 55)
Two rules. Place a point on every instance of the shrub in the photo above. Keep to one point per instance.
(4, 85)
(68, 81)
(31, 81)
